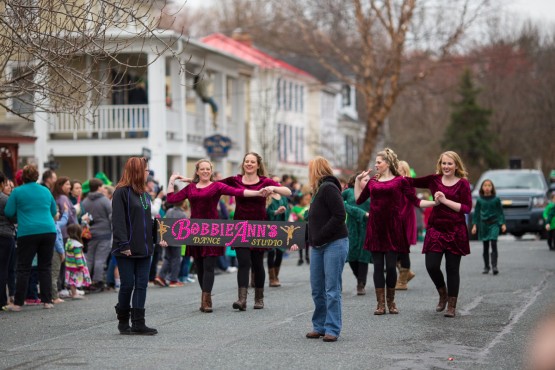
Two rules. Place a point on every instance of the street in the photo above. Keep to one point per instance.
(495, 315)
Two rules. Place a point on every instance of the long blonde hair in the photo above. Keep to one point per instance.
(318, 167)
(404, 167)
(460, 170)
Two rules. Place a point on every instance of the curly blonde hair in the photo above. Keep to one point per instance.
(389, 156)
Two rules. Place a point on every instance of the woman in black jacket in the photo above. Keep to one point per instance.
(133, 235)
(328, 237)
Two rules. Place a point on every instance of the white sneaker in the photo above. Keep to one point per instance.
(64, 293)
(80, 292)
(231, 269)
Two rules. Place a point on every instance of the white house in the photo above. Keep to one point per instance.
(169, 124)
(279, 107)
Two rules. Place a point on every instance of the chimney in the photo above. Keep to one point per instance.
(242, 37)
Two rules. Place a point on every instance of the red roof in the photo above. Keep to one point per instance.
(249, 53)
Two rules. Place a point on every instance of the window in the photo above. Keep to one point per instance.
(301, 100)
(278, 93)
(290, 143)
(284, 93)
(290, 106)
(346, 96)
(23, 95)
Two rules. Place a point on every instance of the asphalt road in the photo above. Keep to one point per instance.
(491, 331)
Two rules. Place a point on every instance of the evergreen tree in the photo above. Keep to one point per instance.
(468, 133)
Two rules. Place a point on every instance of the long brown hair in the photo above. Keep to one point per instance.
(261, 170)
(58, 185)
(134, 174)
(317, 168)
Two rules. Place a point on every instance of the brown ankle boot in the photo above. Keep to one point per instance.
(258, 298)
(206, 302)
(380, 297)
(277, 275)
(442, 299)
(410, 275)
(274, 282)
(360, 288)
(451, 305)
(201, 302)
(241, 303)
(402, 279)
(391, 301)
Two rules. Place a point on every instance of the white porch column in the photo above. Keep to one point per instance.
(41, 125)
(178, 93)
(239, 103)
(157, 123)
(221, 99)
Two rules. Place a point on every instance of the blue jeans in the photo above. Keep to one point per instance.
(133, 273)
(326, 268)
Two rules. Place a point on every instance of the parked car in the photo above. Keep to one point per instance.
(523, 194)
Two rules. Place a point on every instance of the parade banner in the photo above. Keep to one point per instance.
(231, 233)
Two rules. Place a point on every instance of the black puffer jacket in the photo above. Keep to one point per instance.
(326, 216)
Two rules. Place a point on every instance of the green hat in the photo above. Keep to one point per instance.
(85, 187)
(102, 176)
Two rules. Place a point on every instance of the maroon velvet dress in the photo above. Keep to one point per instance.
(385, 231)
(253, 208)
(446, 231)
(204, 205)
(409, 221)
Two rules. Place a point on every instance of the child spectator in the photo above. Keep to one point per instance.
(172, 254)
(549, 216)
(77, 273)
(59, 255)
(488, 218)
(298, 214)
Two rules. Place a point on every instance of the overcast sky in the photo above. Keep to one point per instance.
(537, 9)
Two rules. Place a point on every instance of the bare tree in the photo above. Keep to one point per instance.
(57, 55)
(381, 47)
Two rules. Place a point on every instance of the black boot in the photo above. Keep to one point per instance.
(138, 323)
(123, 318)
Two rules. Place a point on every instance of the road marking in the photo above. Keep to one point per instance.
(517, 314)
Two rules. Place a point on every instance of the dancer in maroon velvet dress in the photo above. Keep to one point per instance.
(203, 195)
(384, 235)
(253, 177)
(446, 233)
(409, 222)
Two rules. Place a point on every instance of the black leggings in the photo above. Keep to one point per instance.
(404, 259)
(275, 256)
(250, 259)
(205, 272)
(493, 253)
(452, 265)
(389, 260)
(360, 270)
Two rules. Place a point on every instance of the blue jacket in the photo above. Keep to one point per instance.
(59, 244)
